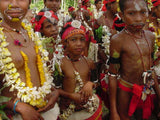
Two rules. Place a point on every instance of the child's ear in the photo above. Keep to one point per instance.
(121, 15)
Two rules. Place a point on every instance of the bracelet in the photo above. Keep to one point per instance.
(14, 107)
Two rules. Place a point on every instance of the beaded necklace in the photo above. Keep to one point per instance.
(17, 31)
(147, 89)
(139, 50)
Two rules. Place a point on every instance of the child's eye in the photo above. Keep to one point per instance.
(82, 39)
(131, 13)
(73, 39)
(143, 12)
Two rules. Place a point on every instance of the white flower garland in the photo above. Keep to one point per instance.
(34, 96)
(106, 39)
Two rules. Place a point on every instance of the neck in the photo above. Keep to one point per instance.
(136, 33)
(74, 58)
(13, 25)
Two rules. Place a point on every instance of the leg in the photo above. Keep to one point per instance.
(123, 104)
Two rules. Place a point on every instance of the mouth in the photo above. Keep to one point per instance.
(138, 26)
(14, 13)
(78, 49)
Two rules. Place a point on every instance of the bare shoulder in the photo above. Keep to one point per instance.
(90, 62)
(149, 34)
(118, 38)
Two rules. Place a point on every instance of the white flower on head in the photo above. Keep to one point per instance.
(76, 24)
(48, 14)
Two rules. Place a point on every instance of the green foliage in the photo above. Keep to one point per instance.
(48, 41)
(2, 106)
(37, 6)
(58, 76)
(99, 33)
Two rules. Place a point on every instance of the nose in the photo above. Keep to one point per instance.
(13, 3)
(138, 18)
(79, 42)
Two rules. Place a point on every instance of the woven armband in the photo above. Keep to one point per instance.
(114, 60)
(94, 77)
(112, 75)
(152, 55)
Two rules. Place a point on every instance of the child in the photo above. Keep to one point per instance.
(46, 22)
(23, 67)
(54, 5)
(131, 65)
(77, 100)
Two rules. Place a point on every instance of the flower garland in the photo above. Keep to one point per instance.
(26, 92)
(106, 38)
(97, 14)
(90, 105)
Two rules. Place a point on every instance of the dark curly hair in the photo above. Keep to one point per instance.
(96, 1)
(122, 4)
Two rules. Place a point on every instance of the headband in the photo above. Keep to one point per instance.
(106, 2)
(46, 15)
(85, 1)
(155, 2)
(76, 28)
(70, 9)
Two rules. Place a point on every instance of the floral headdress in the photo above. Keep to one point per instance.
(155, 2)
(106, 2)
(70, 9)
(45, 15)
(76, 28)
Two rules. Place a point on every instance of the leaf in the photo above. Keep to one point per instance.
(4, 116)
(4, 99)
(2, 107)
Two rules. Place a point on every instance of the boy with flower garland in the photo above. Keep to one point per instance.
(77, 101)
(131, 62)
(23, 67)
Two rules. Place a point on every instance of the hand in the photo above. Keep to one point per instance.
(28, 112)
(52, 98)
(87, 91)
(77, 98)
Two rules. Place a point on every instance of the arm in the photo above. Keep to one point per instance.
(114, 65)
(76, 97)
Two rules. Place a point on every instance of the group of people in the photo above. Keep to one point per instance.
(59, 65)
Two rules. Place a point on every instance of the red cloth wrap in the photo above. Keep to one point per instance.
(136, 101)
(98, 114)
(155, 2)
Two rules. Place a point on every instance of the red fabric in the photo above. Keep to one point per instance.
(124, 87)
(106, 2)
(137, 92)
(85, 1)
(136, 101)
(71, 9)
(155, 2)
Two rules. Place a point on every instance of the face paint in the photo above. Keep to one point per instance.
(9, 6)
(13, 19)
(137, 6)
(116, 54)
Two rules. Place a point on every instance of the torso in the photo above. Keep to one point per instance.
(18, 60)
(132, 68)
(69, 83)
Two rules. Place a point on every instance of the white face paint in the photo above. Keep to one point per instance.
(137, 6)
